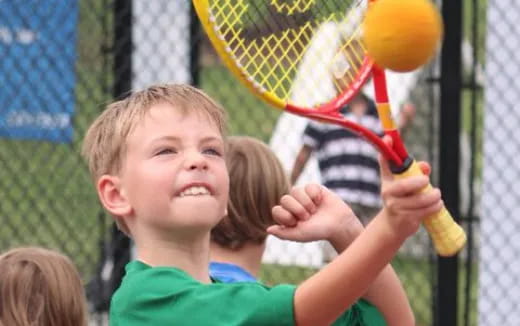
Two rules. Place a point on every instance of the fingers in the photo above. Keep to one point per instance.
(423, 212)
(417, 201)
(425, 167)
(283, 216)
(425, 199)
(404, 187)
(302, 201)
(432, 209)
(314, 191)
(300, 204)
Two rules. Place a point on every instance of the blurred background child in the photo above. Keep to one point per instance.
(40, 287)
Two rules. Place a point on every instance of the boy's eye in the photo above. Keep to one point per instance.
(166, 151)
(212, 151)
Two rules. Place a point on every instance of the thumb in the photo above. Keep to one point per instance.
(384, 166)
(283, 232)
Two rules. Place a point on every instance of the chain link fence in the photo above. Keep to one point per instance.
(63, 60)
(54, 80)
(498, 266)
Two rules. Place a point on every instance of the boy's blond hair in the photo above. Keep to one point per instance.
(40, 287)
(104, 146)
(257, 181)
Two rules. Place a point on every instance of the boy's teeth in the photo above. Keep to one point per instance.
(194, 191)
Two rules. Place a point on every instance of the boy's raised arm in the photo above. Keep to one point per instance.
(388, 295)
(323, 297)
(387, 292)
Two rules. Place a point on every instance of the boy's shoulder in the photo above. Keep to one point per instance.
(167, 295)
(140, 276)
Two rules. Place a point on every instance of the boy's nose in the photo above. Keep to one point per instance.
(196, 161)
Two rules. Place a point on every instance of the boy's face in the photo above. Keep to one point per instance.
(174, 175)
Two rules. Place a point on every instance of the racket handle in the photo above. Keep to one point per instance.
(447, 236)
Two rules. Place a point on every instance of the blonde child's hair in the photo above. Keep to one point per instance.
(40, 287)
(257, 181)
(104, 146)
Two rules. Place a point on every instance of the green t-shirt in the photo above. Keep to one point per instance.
(362, 313)
(168, 296)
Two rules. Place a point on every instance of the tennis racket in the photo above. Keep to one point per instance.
(265, 44)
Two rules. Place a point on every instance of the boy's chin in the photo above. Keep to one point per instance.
(203, 213)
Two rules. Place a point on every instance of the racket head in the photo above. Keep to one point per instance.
(303, 56)
(299, 56)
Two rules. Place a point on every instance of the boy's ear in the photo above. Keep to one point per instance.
(112, 197)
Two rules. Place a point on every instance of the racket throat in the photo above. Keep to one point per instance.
(399, 169)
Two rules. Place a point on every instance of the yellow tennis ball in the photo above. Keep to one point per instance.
(402, 35)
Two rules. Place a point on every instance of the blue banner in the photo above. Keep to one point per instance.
(37, 68)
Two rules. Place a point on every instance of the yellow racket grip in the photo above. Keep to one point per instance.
(447, 236)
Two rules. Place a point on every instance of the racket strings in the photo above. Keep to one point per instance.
(350, 56)
(291, 8)
(270, 42)
(276, 78)
(347, 63)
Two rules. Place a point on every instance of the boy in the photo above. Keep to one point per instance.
(157, 161)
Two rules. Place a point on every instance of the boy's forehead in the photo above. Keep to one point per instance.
(179, 112)
(162, 116)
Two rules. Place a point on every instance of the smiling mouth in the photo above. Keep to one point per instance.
(195, 191)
